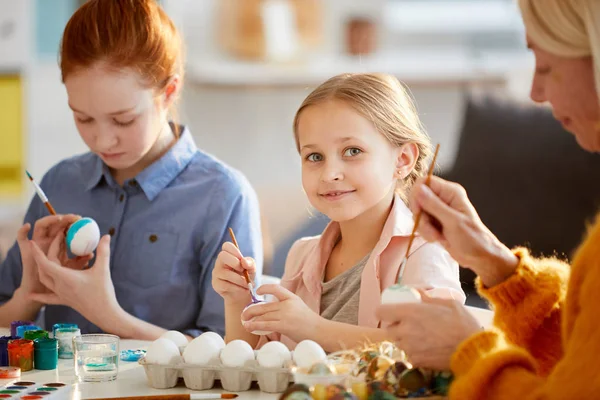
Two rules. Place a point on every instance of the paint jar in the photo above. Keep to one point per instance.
(15, 324)
(65, 341)
(21, 329)
(4, 349)
(37, 334)
(20, 354)
(62, 325)
(45, 353)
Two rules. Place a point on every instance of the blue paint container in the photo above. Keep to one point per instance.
(24, 328)
(60, 326)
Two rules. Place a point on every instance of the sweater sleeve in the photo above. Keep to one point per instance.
(528, 307)
(487, 366)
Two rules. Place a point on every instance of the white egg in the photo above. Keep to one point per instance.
(176, 337)
(307, 353)
(258, 333)
(162, 351)
(273, 355)
(215, 336)
(202, 350)
(237, 353)
(400, 294)
(83, 236)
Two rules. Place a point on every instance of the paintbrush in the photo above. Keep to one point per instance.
(189, 396)
(417, 220)
(41, 194)
(246, 276)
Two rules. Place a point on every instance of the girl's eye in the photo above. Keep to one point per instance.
(84, 120)
(542, 70)
(314, 157)
(123, 124)
(351, 152)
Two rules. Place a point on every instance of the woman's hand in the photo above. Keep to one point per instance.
(450, 219)
(227, 275)
(289, 316)
(429, 332)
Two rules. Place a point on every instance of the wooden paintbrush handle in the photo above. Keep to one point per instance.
(158, 397)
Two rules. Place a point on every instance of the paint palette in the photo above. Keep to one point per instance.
(28, 390)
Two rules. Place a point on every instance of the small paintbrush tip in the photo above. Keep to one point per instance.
(229, 396)
(29, 175)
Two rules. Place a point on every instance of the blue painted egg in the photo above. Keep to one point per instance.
(83, 237)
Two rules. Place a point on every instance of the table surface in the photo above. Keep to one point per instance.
(131, 380)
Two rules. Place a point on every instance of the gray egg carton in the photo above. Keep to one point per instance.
(203, 377)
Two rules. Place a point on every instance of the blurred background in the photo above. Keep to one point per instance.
(249, 65)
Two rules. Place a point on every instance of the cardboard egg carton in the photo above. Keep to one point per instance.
(203, 377)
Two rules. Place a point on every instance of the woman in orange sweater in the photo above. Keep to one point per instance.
(546, 339)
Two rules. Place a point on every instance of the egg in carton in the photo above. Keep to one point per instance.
(207, 359)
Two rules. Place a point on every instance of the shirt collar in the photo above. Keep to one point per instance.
(398, 224)
(158, 175)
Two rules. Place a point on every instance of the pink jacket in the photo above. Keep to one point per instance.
(429, 266)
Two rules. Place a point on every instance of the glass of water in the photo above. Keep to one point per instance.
(96, 357)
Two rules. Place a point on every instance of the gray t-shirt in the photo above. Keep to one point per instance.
(341, 295)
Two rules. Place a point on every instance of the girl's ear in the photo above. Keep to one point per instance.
(406, 159)
(171, 91)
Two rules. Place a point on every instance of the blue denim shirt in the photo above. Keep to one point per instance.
(167, 226)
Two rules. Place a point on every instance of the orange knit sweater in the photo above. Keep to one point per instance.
(546, 340)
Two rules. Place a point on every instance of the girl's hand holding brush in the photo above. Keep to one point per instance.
(228, 275)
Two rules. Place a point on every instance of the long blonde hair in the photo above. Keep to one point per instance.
(566, 28)
(383, 100)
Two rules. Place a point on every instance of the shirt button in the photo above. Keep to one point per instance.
(121, 198)
(111, 231)
(153, 238)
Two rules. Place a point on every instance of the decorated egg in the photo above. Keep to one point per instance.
(319, 392)
(334, 390)
(374, 386)
(296, 392)
(391, 378)
(441, 382)
(237, 353)
(83, 236)
(414, 379)
(382, 395)
(378, 367)
(360, 390)
(400, 294)
(343, 396)
(307, 353)
(322, 368)
(364, 360)
(259, 333)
